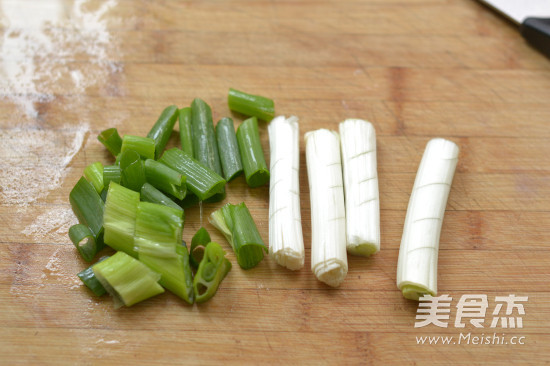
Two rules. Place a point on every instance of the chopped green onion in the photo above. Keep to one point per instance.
(153, 195)
(186, 136)
(144, 146)
(162, 129)
(87, 205)
(83, 239)
(94, 175)
(88, 208)
(111, 139)
(103, 194)
(198, 243)
(89, 279)
(205, 147)
(212, 270)
(132, 170)
(238, 227)
(229, 149)
(128, 280)
(111, 173)
(120, 218)
(255, 168)
(158, 239)
(166, 179)
(251, 105)
(158, 229)
(175, 272)
(190, 200)
(202, 181)
(117, 159)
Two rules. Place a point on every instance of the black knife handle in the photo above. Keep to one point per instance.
(537, 32)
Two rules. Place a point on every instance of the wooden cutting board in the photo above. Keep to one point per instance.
(416, 69)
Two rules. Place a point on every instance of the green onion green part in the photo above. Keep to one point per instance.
(144, 146)
(212, 270)
(89, 279)
(255, 168)
(119, 219)
(111, 140)
(176, 275)
(132, 170)
(202, 181)
(205, 147)
(217, 197)
(94, 174)
(158, 229)
(162, 129)
(238, 227)
(103, 194)
(198, 243)
(128, 280)
(158, 239)
(251, 105)
(111, 173)
(153, 195)
(190, 200)
(117, 159)
(228, 147)
(186, 135)
(88, 208)
(83, 239)
(166, 179)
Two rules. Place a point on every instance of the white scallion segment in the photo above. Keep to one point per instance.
(286, 242)
(358, 145)
(417, 264)
(329, 260)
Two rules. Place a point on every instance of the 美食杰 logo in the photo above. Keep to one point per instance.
(436, 311)
(506, 312)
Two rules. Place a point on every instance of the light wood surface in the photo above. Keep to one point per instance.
(416, 69)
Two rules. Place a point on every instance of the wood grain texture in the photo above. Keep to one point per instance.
(416, 69)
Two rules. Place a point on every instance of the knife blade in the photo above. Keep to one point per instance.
(532, 16)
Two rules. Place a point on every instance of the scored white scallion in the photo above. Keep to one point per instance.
(286, 242)
(329, 260)
(358, 145)
(417, 263)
